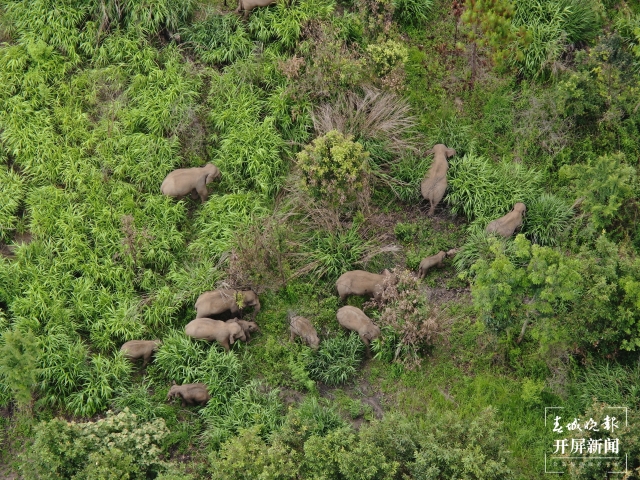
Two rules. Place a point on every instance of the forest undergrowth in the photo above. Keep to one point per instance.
(320, 116)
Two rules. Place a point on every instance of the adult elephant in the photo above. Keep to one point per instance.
(190, 181)
(224, 300)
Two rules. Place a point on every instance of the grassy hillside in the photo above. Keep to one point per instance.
(320, 116)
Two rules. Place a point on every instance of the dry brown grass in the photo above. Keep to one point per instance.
(371, 115)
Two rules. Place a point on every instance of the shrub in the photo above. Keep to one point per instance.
(336, 170)
(410, 326)
(387, 56)
(219, 39)
(483, 191)
(548, 217)
(605, 184)
(11, 193)
(18, 359)
(118, 443)
(336, 360)
(478, 245)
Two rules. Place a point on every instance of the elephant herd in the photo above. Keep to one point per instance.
(194, 181)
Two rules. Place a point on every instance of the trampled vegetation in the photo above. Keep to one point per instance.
(319, 115)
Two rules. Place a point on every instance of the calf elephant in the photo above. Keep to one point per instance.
(135, 349)
(248, 5)
(434, 184)
(359, 282)
(505, 226)
(301, 327)
(219, 301)
(354, 319)
(193, 181)
(225, 333)
(247, 327)
(430, 262)
(190, 393)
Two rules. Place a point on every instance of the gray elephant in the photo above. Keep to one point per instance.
(354, 319)
(135, 349)
(219, 301)
(248, 5)
(190, 393)
(430, 262)
(222, 332)
(301, 327)
(359, 282)
(434, 184)
(193, 181)
(247, 327)
(505, 226)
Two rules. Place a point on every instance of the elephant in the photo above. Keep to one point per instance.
(359, 282)
(434, 184)
(224, 333)
(505, 226)
(226, 299)
(354, 319)
(190, 393)
(194, 181)
(135, 349)
(248, 5)
(430, 262)
(247, 327)
(301, 327)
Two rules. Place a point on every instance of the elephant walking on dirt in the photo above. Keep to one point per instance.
(190, 181)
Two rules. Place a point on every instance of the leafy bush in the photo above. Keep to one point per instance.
(409, 324)
(387, 56)
(605, 184)
(336, 170)
(548, 217)
(219, 39)
(11, 193)
(336, 360)
(480, 245)
(118, 443)
(18, 359)
(483, 191)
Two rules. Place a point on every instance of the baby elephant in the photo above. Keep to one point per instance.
(434, 183)
(135, 349)
(185, 181)
(222, 332)
(223, 300)
(354, 319)
(247, 327)
(248, 5)
(506, 225)
(430, 262)
(190, 393)
(359, 282)
(301, 327)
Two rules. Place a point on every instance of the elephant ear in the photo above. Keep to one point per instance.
(450, 152)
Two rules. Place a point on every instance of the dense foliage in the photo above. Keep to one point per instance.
(318, 115)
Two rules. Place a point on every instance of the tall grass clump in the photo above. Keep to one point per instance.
(337, 359)
(412, 12)
(12, 189)
(219, 39)
(483, 191)
(551, 26)
(548, 217)
(477, 246)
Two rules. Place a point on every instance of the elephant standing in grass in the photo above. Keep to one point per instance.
(219, 301)
(190, 181)
(247, 327)
(354, 319)
(135, 349)
(248, 5)
(190, 393)
(505, 226)
(359, 282)
(301, 327)
(434, 184)
(225, 333)
(430, 262)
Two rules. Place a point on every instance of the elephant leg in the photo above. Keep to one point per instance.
(203, 192)
(194, 194)
(292, 337)
(225, 344)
